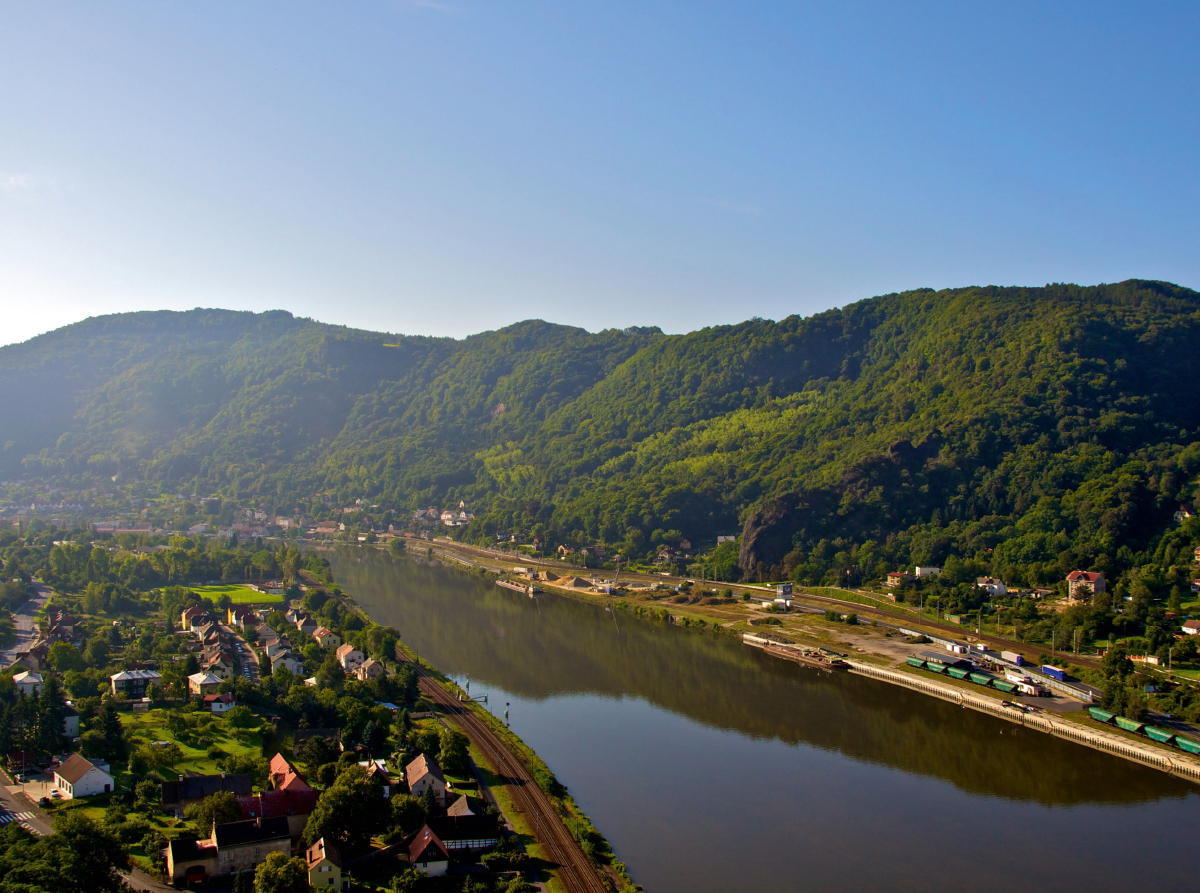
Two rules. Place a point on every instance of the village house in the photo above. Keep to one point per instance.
(203, 684)
(465, 805)
(349, 657)
(219, 704)
(70, 721)
(1082, 586)
(1191, 627)
(465, 833)
(284, 776)
(993, 585)
(377, 773)
(327, 638)
(233, 848)
(325, 867)
(423, 773)
(133, 683)
(190, 616)
(921, 572)
(370, 669)
(238, 615)
(28, 682)
(427, 854)
(287, 661)
(307, 626)
(218, 662)
(79, 777)
(896, 579)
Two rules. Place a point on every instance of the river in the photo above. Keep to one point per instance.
(710, 766)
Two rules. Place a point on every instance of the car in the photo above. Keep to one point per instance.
(56, 793)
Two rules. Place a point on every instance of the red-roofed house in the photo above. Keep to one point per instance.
(296, 805)
(427, 854)
(219, 703)
(284, 776)
(1083, 585)
(1191, 627)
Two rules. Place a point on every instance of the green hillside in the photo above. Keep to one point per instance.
(1030, 429)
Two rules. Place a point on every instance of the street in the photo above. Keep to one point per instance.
(25, 620)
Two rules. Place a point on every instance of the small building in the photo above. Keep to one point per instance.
(288, 661)
(307, 626)
(349, 657)
(1082, 586)
(896, 579)
(203, 684)
(218, 662)
(325, 867)
(133, 683)
(427, 854)
(327, 638)
(994, 585)
(1191, 627)
(29, 682)
(424, 773)
(377, 772)
(70, 722)
(284, 776)
(191, 616)
(783, 590)
(79, 777)
(370, 669)
(219, 704)
(190, 862)
(295, 805)
(922, 572)
(465, 805)
(948, 658)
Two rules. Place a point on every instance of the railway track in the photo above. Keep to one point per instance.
(574, 869)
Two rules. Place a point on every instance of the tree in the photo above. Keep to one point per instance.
(406, 881)
(317, 751)
(453, 753)
(51, 715)
(240, 717)
(408, 814)
(280, 874)
(331, 674)
(350, 812)
(64, 657)
(218, 809)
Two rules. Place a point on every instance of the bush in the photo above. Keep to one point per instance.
(240, 717)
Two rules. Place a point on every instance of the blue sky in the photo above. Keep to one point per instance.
(449, 167)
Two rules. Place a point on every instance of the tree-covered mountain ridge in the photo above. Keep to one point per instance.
(1034, 429)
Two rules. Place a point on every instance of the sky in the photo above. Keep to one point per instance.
(444, 168)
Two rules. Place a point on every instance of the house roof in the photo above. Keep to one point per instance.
(252, 831)
(420, 767)
(426, 843)
(1191, 624)
(188, 849)
(323, 631)
(343, 650)
(204, 679)
(226, 698)
(74, 768)
(277, 803)
(465, 805)
(319, 852)
(28, 676)
(284, 776)
(464, 827)
(131, 675)
(197, 787)
(1084, 576)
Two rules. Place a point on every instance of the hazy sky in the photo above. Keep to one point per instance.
(448, 167)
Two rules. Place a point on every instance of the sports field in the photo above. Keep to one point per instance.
(238, 594)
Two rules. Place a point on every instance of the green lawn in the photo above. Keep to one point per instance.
(152, 726)
(238, 594)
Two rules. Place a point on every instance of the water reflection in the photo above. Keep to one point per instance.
(636, 702)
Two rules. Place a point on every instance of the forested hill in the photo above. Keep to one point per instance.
(1042, 427)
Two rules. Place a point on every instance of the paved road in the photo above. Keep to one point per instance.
(26, 623)
(15, 807)
(245, 654)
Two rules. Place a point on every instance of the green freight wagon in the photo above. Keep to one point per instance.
(1162, 736)
(1102, 715)
(1004, 686)
(935, 667)
(980, 679)
(917, 662)
(1129, 725)
(959, 673)
(1187, 745)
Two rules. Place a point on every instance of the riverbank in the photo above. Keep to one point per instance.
(881, 654)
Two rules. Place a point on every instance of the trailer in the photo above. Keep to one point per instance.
(1054, 673)
(1013, 658)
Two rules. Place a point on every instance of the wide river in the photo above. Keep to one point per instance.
(712, 767)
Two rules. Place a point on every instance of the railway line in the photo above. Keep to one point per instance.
(574, 869)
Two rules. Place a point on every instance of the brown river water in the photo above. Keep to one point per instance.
(710, 766)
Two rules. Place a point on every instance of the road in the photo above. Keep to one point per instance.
(25, 620)
(245, 654)
(574, 870)
(16, 807)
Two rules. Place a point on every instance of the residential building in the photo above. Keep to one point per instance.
(219, 704)
(377, 772)
(370, 669)
(993, 585)
(327, 638)
(422, 773)
(921, 572)
(325, 867)
(29, 682)
(1191, 627)
(218, 662)
(295, 805)
(284, 776)
(190, 616)
(1082, 586)
(427, 854)
(349, 657)
(465, 833)
(133, 683)
(79, 777)
(465, 805)
(896, 579)
(242, 846)
(203, 684)
(70, 721)
(288, 661)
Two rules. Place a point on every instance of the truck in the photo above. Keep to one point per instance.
(1013, 658)
(1054, 673)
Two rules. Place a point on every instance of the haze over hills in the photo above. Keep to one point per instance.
(1042, 427)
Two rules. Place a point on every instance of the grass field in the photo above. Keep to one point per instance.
(238, 594)
(205, 731)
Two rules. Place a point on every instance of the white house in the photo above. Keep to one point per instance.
(349, 657)
(422, 773)
(289, 660)
(77, 777)
(219, 703)
(1191, 627)
(29, 682)
(993, 585)
(926, 571)
(203, 683)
